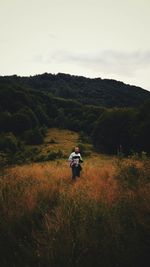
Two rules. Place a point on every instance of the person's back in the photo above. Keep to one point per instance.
(75, 159)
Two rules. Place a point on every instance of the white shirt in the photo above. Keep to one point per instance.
(74, 158)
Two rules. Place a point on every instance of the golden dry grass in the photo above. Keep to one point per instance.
(64, 140)
(58, 214)
(23, 185)
(96, 182)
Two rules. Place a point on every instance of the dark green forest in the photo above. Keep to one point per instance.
(99, 92)
(114, 116)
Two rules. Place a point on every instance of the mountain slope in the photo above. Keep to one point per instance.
(99, 92)
(28, 104)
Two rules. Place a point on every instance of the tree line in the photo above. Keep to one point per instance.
(100, 92)
(123, 131)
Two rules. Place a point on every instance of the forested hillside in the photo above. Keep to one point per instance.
(100, 92)
(30, 105)
(45, 218)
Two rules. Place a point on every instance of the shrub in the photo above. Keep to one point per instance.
(3, 159)
(129, 176)
(53, 141)
(5, 121)
(20, 123)
(44, 130)
(55, 155)
(8, 142)
(33, 137)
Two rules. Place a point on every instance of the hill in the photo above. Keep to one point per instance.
(110, 113)
(100, 92)
(48, 220)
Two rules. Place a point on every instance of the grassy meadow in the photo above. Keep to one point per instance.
(102, 219)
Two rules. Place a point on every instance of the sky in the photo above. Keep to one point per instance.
(92, 38)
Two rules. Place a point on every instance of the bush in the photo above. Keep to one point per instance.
(33, 137)
(26, 155)
(84, 138)
(5, 121)
(8, 142)
(20, 123)
(130, 175)
(3, 159)
(53, 141)
(53, 155)
(44, 130)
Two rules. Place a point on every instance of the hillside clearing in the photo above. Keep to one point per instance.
(102, 219)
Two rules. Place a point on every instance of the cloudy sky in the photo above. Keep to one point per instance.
(93, 38)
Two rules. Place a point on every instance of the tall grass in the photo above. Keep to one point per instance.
(100, 220)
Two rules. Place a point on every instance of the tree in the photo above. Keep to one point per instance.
(8, 142)
(42, 116)
(20, 123)
(113, 129)
(31, 115)
(33, 137)
(142, 130)
(5, 121)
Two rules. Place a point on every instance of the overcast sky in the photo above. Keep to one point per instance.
(93, 38)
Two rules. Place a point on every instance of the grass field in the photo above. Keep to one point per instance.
(60, 139)
(102, 219)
